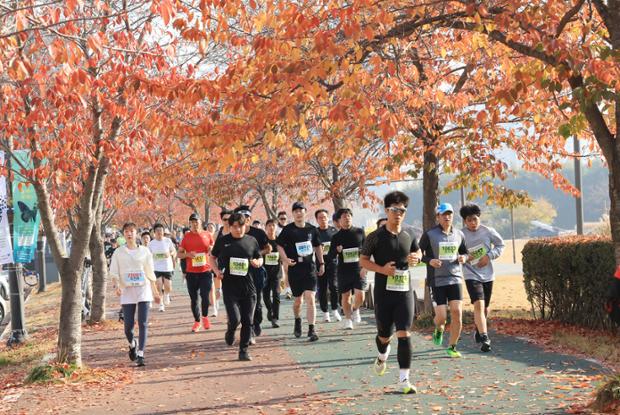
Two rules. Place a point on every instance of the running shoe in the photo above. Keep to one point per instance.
(252, 340)
(162, 307)
(274, 323)
(347, 324)
(120, 315)
(140, 361)
(486, 343)
(196, 327)
(326, 318)
(229, 337)
(288, 293)
(132, 350)
(312, 336)
(214, 312)
(206, 323)
(452, 352)
(167, 299)
(244, 356)
(257, 329)
(478, 336)
(406, 388)
(297, 330)
(357, 318)
(438, 337)
(337, 315)
(380, 366)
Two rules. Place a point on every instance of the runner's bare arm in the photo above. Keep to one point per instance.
(387, 269)
(285, 260)
(214, 266)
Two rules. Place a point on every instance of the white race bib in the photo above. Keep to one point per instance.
(399, 281)
(134, 278)
(239, 266)
(200, 260)
(476, 253)
(304, 248)
(350, 255)
(272, 258)
(448, 251)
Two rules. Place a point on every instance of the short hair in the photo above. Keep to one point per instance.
(145, 233)
(236, 217)
(128, 225)
(158, 225)
(270, 221)
(282, 212)
(225, 212)
(395, 197)
(256, 222)
(380, 220)
(469, 210)
(341, 212)
(318, 212)
(113, 241)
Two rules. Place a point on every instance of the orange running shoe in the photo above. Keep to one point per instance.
(206, 323)
(196, 327)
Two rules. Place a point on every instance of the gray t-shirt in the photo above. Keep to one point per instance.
(445, 246)
(484, 241)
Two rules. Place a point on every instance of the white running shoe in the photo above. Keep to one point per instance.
(405, 387)
(326, 317)
(167, 299)
(162, 307)
(214, 312)
(337, 315)
(357, 318)
(347, 324)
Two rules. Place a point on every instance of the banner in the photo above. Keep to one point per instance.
(26, 216)
(6, 249)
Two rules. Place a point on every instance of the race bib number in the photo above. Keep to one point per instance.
(448, 251)
(161, 256)
(476, 253)
(399, 281)
(304, 248)
(134, 278)
(200, 260)
(239, 266)
(272, 258)
(350, 255)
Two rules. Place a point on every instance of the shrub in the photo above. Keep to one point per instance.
(568, 279)
(607, 398)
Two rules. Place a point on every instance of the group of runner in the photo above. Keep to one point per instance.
(249, 264)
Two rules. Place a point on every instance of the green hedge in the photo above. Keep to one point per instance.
(567, 279)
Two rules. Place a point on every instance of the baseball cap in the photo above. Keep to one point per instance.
(244, 210)
(444, 207)
(194, 216)
(298, 205)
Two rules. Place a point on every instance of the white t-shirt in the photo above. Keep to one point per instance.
(162, 257)
(133, 266)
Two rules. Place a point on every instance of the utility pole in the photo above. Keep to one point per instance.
(512, 227)
(578, 185)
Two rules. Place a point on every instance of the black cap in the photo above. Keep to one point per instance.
(194, 216)
(298, 205)
(244, 210)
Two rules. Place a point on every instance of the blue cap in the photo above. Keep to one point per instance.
(444, 207)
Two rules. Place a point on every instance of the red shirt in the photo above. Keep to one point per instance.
(200, 243)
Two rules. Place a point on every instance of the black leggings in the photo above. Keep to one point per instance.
(271, 296)
(328, 279)
(199, 282)
(240, 310)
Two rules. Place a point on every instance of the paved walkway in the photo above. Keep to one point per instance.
(197, 373)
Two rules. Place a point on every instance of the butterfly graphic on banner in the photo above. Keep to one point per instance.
(27, 214)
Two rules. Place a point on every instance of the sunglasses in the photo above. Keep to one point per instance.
(283, 218)
(395, 209)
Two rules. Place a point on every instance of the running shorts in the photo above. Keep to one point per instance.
(350, 282)
(444, 294)
(163, 274)
(480, 291)
(393, 311)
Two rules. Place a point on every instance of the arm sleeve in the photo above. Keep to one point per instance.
(215, 251)
(425, 246)
(414, 246)
(316, 239)
(256, 254)
(370, 244)
(462, 247)
(498, 245)
(281, 239)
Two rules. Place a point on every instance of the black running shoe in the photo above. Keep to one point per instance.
(477, 336)
(257, 329)
(297, 330)
(486, 344)
(132, 351)
(274, 323)
(120, 315)
(245, 356)
(229, 337)
(140, 361)
(312, 336)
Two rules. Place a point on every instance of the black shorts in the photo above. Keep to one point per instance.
(443, 295)
(301, 281)
(348, 283)
(480, 291)
(394, 311)
(163, 274)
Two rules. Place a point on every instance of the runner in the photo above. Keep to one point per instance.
(145, 238)
(298, 243)
(210, 228)
(164, 256)
(443, 249)
(484, 245)
(195, 246)
(273, 266)
(133, 279)
(282, 222)
(216, 290)
(328, 279)
(393, 251)
(345, 246)
(239, 252)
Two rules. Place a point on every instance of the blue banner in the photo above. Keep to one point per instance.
(26, 216)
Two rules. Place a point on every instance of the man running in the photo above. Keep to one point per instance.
(328, 279)
(195, 247)
(393, 251)
(346, 245)
(443, 249)
(273, 266)
(238, 252)
(164, 255)
(484, 245)
(298, 243)
(216, 289)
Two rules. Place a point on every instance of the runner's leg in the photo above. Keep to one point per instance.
(234, 318)
(456, 323)
(193, 282)
(143, 319)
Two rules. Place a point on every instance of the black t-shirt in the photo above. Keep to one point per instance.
(386, 247)
(259, 235)
(234, 257)
(351, 241)
(326, 235)
(272, 269)
(298, 243)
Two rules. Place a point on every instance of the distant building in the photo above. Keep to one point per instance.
(543, 230)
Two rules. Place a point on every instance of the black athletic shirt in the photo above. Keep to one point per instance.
(326, 235)
(386, 247)
(259, 235)
(292, 235)
(272, 269)
(349, 239)
(245, 248)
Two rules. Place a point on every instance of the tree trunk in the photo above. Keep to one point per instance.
(70, 326)
(100, 269)
(207, 210)
(430, 185)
